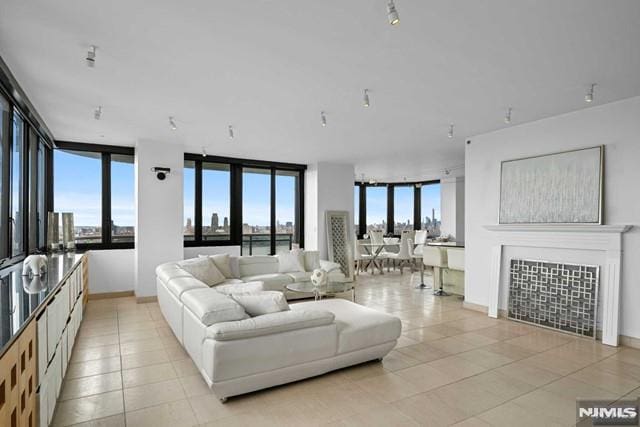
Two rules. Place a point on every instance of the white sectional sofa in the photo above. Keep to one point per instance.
(250, 353)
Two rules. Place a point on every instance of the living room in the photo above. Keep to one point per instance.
(285, 213)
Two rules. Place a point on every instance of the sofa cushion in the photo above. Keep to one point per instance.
(230, 282)
(291, 261)
(180, 285)
(269, 324)
(358, 327)
(222, 262)
(272, 281)
(212, 307)
(204, 270)
(330, 266)
(257, 264)
(240, 287)
(259, 303)
(311, 260)
(170, 270)
(300, 276)
(234, 264)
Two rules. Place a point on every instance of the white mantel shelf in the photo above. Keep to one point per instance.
(607, 239)
(561, 228)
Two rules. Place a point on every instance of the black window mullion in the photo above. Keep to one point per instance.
(390, 206)
(300, 209)
(106, 198)
(235, 210)
(417, 206)
(272, 230)
(363, 211)
(197, 235)
(5, 250)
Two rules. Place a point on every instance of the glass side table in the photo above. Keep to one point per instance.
(330, 289)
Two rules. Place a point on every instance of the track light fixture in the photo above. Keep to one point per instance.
(323, 119)
(231, 135)
(392, 13)
(91, 57)
(589, 96)
(172, 123)
(97, 113)
(204, 152)
(450, 134)
(507, 117)
(366, 98)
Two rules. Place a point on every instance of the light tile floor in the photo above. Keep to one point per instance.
(451, 366)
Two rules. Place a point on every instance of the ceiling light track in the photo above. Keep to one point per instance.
(589, 96)
(97, 113)
(450, 134)
(323, 119)
(172, 123)
(392, 13)
(507, 117)
(91, 57)
(231, 133)
(366, 102)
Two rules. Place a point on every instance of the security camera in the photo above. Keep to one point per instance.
(161, 173)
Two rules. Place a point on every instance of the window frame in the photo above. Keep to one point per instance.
(105, 152)
(18, 104)
(236, 167)
(417, 204)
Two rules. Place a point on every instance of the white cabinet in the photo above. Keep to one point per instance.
(42, 345)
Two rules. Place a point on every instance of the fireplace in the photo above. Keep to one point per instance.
(594, 245)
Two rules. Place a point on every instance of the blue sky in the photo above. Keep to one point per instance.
(403, 203)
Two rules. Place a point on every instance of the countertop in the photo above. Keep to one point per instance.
(21, 297)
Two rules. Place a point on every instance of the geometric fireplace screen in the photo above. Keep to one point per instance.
(554, 295)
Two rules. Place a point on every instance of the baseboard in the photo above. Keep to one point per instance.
(106, 295)
(144, 300)
(624, 340)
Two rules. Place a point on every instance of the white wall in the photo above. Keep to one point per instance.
(159, 211)
(111, 270)
(617, 126)
(452, 207)
(328, 186)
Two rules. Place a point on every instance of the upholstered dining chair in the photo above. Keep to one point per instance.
(362, 260)
(377, 242)
(404, 256)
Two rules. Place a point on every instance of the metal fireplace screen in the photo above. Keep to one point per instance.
(554, 295)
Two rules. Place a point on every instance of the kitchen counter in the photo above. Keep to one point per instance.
(22, 297)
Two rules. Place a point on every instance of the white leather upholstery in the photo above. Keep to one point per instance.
(358, 326)
(434, 257)
(211, 307)
(269, 324)
(455, 259)
(300, 276)
(261, 303)
(257, 264)
(311, 260)
(240, 287)
(180, 285)
(240, 356)
(271, 281)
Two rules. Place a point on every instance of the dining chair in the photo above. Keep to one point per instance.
(362, 259)
(377, 247)
(403, 257)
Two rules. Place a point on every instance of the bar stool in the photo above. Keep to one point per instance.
(437, 259)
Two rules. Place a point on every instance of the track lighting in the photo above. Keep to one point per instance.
(97, 113)
(172, 123)
(366, 98)
(204, 152)
(231, 132)
(392, 13)
(507, 117)
(91, 57)
(450, 134)
(589, 96)
(323, 119)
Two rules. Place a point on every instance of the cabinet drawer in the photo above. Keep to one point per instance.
(42, 346)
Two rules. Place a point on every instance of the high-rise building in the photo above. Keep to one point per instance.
(214, 222)
(225, 224)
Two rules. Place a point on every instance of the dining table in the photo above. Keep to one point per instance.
(375, 250)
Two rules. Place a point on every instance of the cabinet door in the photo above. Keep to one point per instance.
(27, 381)
(9, 389)
(52, 328)
(42, 346)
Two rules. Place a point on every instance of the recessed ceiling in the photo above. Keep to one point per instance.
(269, 68)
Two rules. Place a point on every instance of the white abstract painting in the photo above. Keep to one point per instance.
(554, 188)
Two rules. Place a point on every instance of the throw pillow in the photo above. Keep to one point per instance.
(257, 304)
(241, 288)
(311, 260)
(329, 266)
(234, 263)
(291, 262)
(204, 270)
(222, 262)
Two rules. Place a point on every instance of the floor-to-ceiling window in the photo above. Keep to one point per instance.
(356, 209)
(97, 184)
(42, 193)
(286, 199)
(5, 119)
(216, 201)
(403, 196)
(430, 209)
(122, 198)
(16, 221)
(256, 211)
(257, 205)
(77, 186)
(376, 208)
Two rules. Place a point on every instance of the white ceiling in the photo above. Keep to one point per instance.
(270, 67)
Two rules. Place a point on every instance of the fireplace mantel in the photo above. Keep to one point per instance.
(604, 238)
